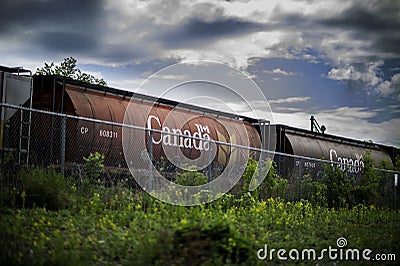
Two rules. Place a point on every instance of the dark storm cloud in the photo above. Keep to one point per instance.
(54, 26)
(199, 31)
(59, 28)
(379, 23)
(66, 41)
(383, 17)
(123, 53)
(28, 14)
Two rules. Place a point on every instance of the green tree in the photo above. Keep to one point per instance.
(385, 164)
(397, 163)
(314, 190)
(94, 164)
(273, 185)
(191, 178)
(339, 186)
(366, 191)
(68, 68)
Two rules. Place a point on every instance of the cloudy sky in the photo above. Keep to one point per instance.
(338, 60)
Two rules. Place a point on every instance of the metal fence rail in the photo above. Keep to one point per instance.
(42, 138)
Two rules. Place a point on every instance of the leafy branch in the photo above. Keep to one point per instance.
(68, 68)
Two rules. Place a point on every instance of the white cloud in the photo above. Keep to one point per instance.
(278, 71)
(344, 113)
(368, 76)
(286, 110)
(236, 50)
(388, 87)
(172, 77)
(129, 32)
(96, 74)
(142, 22)
(126, 84)
(291, 100)
(351, 122)
(341, 74)
(371, 77)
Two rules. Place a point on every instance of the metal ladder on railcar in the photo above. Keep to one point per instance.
(24, 137)
(56, 141)
(25, 132)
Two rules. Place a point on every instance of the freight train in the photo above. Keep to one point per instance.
(295, 149)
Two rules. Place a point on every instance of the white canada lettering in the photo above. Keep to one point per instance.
(187, 141)
(344, 163)
(149, 126)
(197, 134)
(167, 137)
(176, 142)
(198, 140)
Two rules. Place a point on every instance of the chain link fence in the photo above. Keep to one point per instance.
(37, 138)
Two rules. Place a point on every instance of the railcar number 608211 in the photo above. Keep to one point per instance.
(108, 134)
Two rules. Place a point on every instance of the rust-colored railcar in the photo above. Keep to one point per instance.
(297, 148)
(63, 95)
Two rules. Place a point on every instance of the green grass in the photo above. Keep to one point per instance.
(116, 226)
(48, 219)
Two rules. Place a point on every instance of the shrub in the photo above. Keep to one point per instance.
(8, 170)
(339, 187)
(366, 192)
(88, 176)
(273, 185)
(94, 165)
(43, 188)
(314, 191)
(397, 163)
(212, 243)
(191, 178)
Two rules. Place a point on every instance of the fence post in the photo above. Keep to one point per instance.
(209, 163)
(150, 161)
(395, 198)
(301, 180)
(396, 176)
(63, 140)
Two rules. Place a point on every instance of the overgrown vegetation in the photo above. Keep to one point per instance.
(48, 219)
(68, 68)
(191, 178)
(339, 186)
(316, 191)
(336, 189)
(273, 185)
